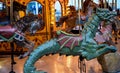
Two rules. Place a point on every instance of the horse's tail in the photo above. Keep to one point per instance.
(49, 47)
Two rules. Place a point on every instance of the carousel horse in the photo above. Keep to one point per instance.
(89, 7)
(112, 29)
(108, 61)
(77, 45)
(16, 32)
(72, 19)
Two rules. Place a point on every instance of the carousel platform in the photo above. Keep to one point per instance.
(53, 64)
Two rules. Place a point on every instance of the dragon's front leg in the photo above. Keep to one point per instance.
(92, 51)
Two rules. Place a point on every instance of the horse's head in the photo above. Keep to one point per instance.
(38, 24)
(117, 23)
(71, 16)
(105, 14)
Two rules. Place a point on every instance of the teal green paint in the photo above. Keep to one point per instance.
(87, 48)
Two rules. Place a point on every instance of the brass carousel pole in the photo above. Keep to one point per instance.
(6, 8)
(47, 20)
(12, 43)
(11, 11)
(80, 61)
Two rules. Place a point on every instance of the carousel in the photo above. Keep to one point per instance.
(59, 36)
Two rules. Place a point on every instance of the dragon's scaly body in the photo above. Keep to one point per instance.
(83, 45)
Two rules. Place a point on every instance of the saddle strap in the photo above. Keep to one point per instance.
(19, 36)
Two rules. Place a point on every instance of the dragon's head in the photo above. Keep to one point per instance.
(105, 14)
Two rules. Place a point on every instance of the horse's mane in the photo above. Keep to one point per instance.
(85, 5)
(28, 18)
(88, 6)
(24, 23)
(72, 8)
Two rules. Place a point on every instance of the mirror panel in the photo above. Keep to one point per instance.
(57, 10)
(34, 7)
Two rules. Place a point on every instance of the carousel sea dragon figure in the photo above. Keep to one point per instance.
(77, 45)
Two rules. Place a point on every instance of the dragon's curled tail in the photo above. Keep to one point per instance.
(49, 47)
